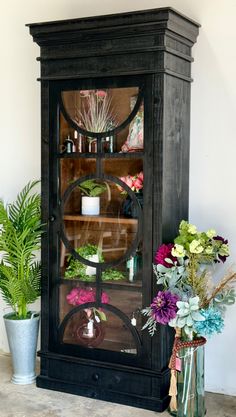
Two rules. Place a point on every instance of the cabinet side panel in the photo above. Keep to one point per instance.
(175, 155)
(45, 213)
(170, 180)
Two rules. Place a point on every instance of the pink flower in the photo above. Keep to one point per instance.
(163, 252)
(137, 184)
(101, 94)
(79, 296)
(85, 93)
(86, 296)
(105, 298)
(128, 180)
(73, 297)
(140, 176)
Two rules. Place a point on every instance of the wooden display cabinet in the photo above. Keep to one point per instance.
(115, 110)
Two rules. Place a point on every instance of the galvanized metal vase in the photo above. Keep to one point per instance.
(22, 338)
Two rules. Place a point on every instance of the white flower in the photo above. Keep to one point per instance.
(192, 229)
(211, 233)
(209, 250)
(224, 250)
(178, 251)
(196, 247)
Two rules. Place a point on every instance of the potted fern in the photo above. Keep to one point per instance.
(91, 190)
(20, 237)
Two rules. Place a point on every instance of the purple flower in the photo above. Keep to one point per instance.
(225, 242)
(163, 252)
(163, 307)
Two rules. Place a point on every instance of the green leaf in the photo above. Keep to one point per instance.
(101, 314)
(92, 188)
(169, 261)
(20, 236)
(161, 268)
(77, 269)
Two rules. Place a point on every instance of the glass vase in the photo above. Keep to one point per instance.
(190, 383)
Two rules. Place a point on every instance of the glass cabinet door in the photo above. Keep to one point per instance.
(100, 156)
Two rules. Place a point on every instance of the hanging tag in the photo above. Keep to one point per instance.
(133, 321)
(90, 328)
(97, 319)
(178, 364)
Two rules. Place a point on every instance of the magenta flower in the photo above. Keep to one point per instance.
(73, 297)
(105, 298)
(163, 252)
(163, 307)
(79, 296)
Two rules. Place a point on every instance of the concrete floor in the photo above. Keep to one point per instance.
(29, 401)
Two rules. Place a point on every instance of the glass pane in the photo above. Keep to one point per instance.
(110, 334)
(127, 273)
(132, 138)
(70, 170)
(97, 327)
(122, 167)
(68, 137)
(99, 221)
(129, 302)
(102, 111)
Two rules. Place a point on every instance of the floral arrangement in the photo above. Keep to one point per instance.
(96, 111)
(135, 182)
(78, 296)
(188, 300)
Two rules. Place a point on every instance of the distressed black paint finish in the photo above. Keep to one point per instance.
(152, 48)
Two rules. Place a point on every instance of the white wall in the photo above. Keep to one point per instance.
(213, 146)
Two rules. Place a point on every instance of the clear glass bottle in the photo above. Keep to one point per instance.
(79, 140)
(190, 383)
(109, 141)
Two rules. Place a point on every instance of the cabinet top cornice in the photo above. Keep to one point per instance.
(122, 24)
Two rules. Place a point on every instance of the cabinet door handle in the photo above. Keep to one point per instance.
(52, 218)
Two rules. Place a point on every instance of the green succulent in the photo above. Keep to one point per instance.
(187, 314)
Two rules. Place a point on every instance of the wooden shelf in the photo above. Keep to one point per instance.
(120, 155)
(119, 284)
(98, 219)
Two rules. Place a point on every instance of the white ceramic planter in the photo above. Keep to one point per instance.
(22, 338)
(90, 270)
(90, 206)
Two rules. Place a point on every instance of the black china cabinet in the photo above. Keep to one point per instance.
(115, 108)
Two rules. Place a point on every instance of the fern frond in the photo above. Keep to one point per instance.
(20, 236)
